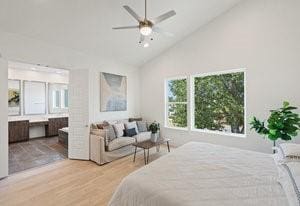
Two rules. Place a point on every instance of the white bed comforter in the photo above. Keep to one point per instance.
(203, 174)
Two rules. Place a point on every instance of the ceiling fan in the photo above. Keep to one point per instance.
(145, 25)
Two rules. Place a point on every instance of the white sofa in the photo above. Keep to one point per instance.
(102, 152)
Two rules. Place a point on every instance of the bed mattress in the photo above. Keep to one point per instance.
(201, 174)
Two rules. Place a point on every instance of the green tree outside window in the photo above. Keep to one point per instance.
(218, 102)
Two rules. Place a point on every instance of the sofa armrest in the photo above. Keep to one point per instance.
(97, 149)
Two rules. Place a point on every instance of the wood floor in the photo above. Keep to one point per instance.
(70, 182)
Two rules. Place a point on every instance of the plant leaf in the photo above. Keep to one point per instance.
(286, 104)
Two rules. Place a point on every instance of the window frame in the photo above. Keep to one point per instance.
(167, 103)
(51, 90)
(191, 103)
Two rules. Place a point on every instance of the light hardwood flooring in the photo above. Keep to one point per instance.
(70, 182)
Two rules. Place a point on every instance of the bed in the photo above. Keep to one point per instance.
(203, 174)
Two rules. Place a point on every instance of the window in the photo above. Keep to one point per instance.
(66, 98)
(217, 103)
(177, 103)
(58, 98)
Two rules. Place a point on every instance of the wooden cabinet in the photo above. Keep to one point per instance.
(18, 131)
(55, 124)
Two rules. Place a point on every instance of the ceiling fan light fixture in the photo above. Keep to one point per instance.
(146, 30)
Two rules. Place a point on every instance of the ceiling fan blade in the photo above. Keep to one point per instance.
(163, 17)
(142, 39)
(161, 31)
(132, 13)
(126, 27)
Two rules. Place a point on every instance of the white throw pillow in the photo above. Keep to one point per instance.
(290, 150)
(295, 170)
(142, 126)
(280, 158)
(119, 129)
(131, 125)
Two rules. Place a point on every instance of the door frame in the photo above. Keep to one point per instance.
(3, 118)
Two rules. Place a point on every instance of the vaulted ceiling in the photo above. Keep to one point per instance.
(86, 25)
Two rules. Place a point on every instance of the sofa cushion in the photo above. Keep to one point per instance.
(142, 126)
(120, 142)
(119, 129)
(99, 132)
(143, 136)
(131, 125)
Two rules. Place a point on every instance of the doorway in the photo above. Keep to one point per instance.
(38, 111)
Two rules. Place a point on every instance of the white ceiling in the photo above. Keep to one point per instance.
(85, 25)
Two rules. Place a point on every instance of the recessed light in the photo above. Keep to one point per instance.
(146, 44)
(33, 69)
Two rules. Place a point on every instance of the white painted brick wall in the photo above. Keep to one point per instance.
(79, 114)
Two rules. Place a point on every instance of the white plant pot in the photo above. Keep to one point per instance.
(154, 137)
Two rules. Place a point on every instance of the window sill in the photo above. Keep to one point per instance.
(176, 128)
(219, 133)
(207, 132)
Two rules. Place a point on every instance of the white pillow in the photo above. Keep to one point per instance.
(280, 158)
(289, 178)
(295, 170)
(119, 129)
(131, 125)
(290, 150)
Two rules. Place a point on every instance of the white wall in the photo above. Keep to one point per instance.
(260, 35)
(15, 47)
(133, 109)
(3, 119)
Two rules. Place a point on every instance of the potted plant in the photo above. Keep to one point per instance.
(154, 128)
(282, 124)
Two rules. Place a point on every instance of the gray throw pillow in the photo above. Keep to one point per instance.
(110, 134)
(142, 126)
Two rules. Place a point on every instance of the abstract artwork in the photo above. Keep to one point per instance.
(14, 96)
(113, 92)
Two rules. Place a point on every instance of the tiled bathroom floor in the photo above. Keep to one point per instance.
(35, 153)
